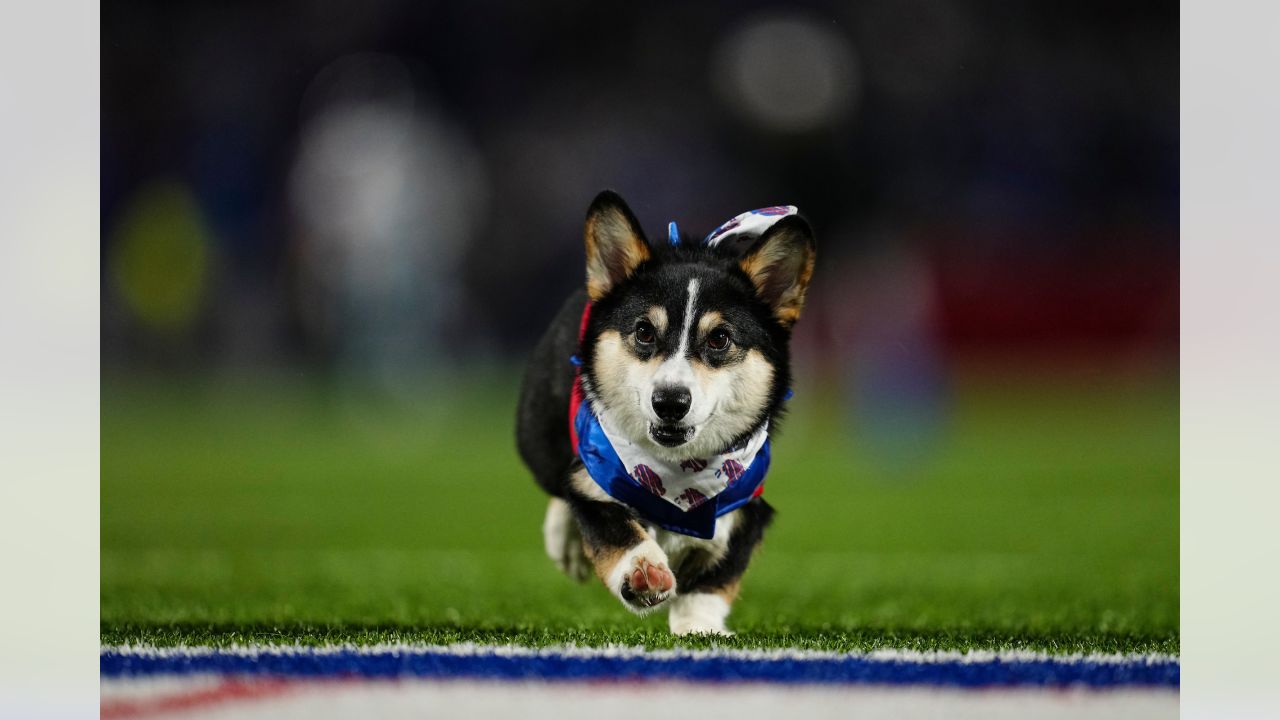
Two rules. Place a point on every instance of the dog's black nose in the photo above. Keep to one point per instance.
(671, 403)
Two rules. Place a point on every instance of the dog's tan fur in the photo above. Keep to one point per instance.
(613, 251)
(780, 270)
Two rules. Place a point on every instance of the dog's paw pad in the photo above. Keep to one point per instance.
(648, 584)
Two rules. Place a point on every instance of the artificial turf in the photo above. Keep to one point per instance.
(1042, 513)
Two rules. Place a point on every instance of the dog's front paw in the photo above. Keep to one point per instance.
(641, 579)
(649, 584)
(699, 614)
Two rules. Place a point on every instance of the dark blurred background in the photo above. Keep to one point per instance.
(383, 187)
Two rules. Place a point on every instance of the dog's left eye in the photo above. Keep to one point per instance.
(718, 339)
(645, 334)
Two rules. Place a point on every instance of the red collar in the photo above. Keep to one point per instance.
(575, 395)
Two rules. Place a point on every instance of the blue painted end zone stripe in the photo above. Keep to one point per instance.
(842, 670)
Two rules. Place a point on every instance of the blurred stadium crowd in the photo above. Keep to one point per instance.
(388, 187)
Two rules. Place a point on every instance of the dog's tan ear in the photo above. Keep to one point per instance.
(780, 265)
(615, 244)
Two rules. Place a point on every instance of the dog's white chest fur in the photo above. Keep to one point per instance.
(680, 548)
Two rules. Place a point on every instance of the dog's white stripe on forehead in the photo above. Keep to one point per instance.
(675, 370)
(688, 317)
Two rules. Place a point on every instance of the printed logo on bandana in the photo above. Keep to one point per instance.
(723, 229)
(732, 469)
(649, 479)
(684, 482)
(691, 497)
(749, 225)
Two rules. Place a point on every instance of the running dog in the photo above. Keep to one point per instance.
(647, 406)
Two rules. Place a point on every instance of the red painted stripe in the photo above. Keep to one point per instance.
(229, 690)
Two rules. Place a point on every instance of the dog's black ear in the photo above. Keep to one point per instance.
(615, 244)
(780, 264)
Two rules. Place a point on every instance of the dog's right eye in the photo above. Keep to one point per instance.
(645, 334)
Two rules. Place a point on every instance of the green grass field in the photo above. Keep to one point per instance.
(268, 511)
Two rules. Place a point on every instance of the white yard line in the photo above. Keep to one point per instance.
(629, 651)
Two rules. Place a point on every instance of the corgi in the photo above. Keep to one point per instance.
(648, 404)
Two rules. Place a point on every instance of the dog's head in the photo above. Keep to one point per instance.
(686, 351)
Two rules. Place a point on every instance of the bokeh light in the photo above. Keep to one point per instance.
(386, 191)
(161, 263)
(788, 72)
